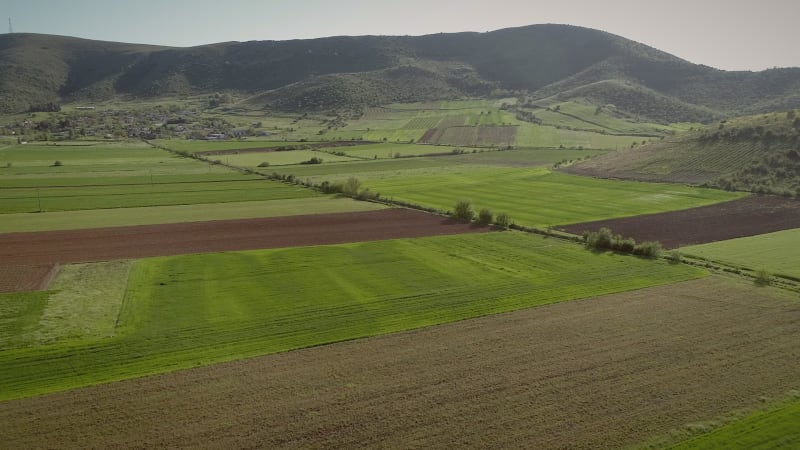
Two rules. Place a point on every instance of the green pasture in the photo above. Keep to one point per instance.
(539, 197)
(27, 200)
(120, 217)
(776, 428)
(285, 158)
(532, 135)
(393, 150)
(193, 146)
(186, 311)
(777, 253)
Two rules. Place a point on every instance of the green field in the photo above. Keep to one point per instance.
(539, 197)
(252, 160)
(531, 135)
(119, 217)
(392, 150)
(774, 252)
(191, 310)
(776, 428)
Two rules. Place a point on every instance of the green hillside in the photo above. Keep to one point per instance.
(752, 153)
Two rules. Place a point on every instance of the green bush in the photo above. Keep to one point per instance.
(485, 216)
(648, 249)
(264, 164)
(58, 164)
(502, 220)
(763, 278)
(463, 211)
(674, 257)
(351, 186)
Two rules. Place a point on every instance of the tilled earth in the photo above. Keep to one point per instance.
(749, 216)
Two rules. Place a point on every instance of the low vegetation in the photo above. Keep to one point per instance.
(604, 239)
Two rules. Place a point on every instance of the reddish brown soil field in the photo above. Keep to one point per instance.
(600, 373)
(430, 136)
(19, 278)
(103, 244)
(739, 218)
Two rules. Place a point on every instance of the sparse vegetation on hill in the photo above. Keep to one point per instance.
(755, 153)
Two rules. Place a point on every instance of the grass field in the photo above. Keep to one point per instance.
(392, 150)
(774, 252)
(775, 428)
(252, 160)
(531, 135)
(191, 310)
(539, 197)
(119, 217)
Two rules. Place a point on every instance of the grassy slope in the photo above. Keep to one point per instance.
(198, 309)
(774, 252)
(539, 197)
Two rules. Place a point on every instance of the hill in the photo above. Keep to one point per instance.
(754, 153)
(539, 61)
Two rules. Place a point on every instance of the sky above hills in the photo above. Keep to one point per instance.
(731, 35)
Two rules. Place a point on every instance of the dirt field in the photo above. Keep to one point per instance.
(600, 373)
(19, 278)
(739, 218)
(103, 244)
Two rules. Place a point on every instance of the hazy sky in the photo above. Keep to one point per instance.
(729, 34)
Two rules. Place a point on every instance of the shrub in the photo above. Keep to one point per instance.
(650, 249)
(600, 239)
(264, 164)
(674, 257)
(351, 186)
(463, 211)
(485, 216)
(313, 160)
(502, 220)
(763, 278)
(58, 164)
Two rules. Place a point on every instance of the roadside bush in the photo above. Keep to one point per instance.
(463, 211)
(674, 257)
(264, 164)
(313, 160)
(763, 278)
(600, 239)
(485, 216)
(351, 186)
(648, 249)
(502, 220)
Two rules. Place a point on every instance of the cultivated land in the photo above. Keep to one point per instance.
(151, 215)
(184, 311)
(608, 372)
(748, 216)
(778, 253)
(539, 197)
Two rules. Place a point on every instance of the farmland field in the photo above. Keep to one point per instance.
(748, 216)
(252, 160)
(777, 253)
(539, 197)
(183, 311)
(608, 372)
(152, 215)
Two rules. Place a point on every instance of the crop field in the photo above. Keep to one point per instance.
(252, 160)
(193, 146)
(609, 372)
(748, 216)
(390, 150)
(152, 215)
(184, 311)
(471, 136)
(539, 197)
(777, 253)
(531, 135)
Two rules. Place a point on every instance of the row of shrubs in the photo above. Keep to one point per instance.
(463, 211)
(604, 239)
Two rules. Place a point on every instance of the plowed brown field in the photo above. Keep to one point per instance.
(739, 218)
(102, 244)
(599, 373)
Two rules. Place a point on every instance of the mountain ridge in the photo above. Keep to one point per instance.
(338, 72)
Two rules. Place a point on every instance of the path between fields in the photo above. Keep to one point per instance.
(607, 372)
(103, 244)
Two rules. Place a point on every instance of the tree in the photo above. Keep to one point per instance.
(463, 211)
